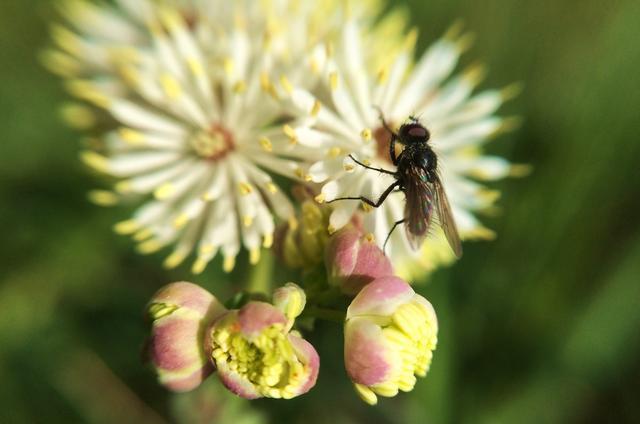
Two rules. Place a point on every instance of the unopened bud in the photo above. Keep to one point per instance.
(353, 260)
(180, 312)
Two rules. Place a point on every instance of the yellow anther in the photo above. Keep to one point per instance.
(66, 39)
(314, 65)
(331, 229)
(474, 74)
(95, 161)
(103, 197)
(267, 86)
(299, 172)
(165, 191)
(334, 152)
(131, 136)
(206, 249)
(245, 188)
(229, 263)
(406, 383)
(247, 221)
(149, 247)
(388, 389)
(366, 134)
(143, 234)
(520, 170)
(123, 187)
(511, 91)
(228, 65)
(266, 144)
(315, 109)
(454, 30)
(268, 241)
(195, 66)
(286, 84)
(481, 233)
(489, 196)
(174, 259)
(382, 76)
(254, 255)
(366, 394)
(78, 116)
(198, 267)
(333, 80)
(126, 227)
(181, 220)
(290, 132)
(239, 87)
(171, 86)
(465, 42)
(320, 198)
(272, 187)
(508, 124)
(410, 40)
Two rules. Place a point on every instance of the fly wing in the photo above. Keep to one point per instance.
(445, 216)
(419, 206)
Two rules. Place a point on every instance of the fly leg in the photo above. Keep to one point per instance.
(370, 167)
(384, 246)
(370, 202)
(384, 122)
(394, 137)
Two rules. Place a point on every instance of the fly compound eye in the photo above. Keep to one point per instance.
(414, 133)
(418, 132)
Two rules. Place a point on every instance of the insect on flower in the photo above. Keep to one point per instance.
(417, 177)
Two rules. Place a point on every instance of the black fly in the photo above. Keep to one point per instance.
(417, 176)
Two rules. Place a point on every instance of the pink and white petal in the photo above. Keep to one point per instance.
(342, 251)
(187, 295)
(256, 316)
(236, 383)
(184, 382)
(308, 355)
(371, 263)
(381, 297)
(367, 356)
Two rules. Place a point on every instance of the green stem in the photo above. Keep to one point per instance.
(261, 276)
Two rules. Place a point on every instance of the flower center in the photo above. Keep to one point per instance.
(213, 144)
(383, 141)
(269, 361)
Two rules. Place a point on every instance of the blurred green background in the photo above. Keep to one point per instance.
(542, 325)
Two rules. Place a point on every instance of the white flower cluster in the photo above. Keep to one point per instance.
(207, 100)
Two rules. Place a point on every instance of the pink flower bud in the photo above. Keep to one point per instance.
(390, 335)
(181, 312)
(256, 356)
(354, 260)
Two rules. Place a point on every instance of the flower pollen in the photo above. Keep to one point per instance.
(213, 144)
(268, 361)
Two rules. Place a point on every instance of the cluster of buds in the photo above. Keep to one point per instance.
(253, 349)
(390, 332)
(301, 242)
